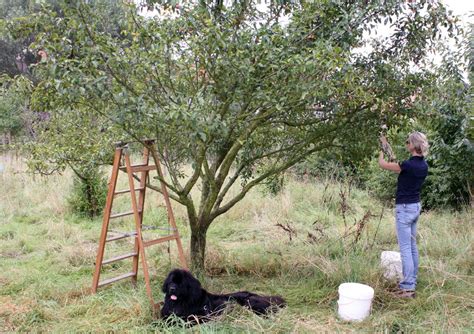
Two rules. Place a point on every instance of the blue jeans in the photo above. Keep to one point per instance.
(406, 218)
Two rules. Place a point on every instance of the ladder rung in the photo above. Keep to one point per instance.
(127, 191)
(148, 228)
(128, 213)
(159, 240)
(120, 257)
(139, 168)
(115, 279)
(122, 236)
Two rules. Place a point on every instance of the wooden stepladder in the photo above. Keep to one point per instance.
(140, 172)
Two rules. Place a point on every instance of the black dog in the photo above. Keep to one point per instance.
(185, 298)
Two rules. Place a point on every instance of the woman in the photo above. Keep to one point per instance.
(412, 174)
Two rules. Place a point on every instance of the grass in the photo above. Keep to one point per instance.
(47, 257)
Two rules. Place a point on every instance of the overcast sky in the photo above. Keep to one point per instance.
(462, 8)
(459, 7)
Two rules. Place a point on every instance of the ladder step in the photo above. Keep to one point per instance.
(149, 228)
(160, 240)
(115, 279)
(139, 168)
(127, 191)
(121, 236)
(128, 213)
(118, 258)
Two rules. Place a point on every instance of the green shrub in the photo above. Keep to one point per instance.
(381, 183)
(89, 192)
(451, 158)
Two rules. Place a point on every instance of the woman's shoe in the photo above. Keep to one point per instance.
(402, 293)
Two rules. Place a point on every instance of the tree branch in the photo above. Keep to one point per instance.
(218, 211)
(197, 172)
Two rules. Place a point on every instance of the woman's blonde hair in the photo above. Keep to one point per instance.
(419, 142)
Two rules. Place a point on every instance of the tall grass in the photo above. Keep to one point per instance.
(302, 244)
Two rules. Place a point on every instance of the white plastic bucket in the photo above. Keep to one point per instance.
(355, 301)
(391, 263)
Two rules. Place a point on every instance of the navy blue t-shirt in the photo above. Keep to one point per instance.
(411, 178)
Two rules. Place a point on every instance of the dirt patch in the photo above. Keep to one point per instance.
(11, 254)
(8, 307)
(81, 254)
(11, 310)
(71, 296)
(76, 294)
(4, 281)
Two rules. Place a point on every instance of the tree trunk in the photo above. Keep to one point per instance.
(198, 247)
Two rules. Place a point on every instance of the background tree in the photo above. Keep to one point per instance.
(230, 91)
(450, 126)
(10, 118)
(444, 112)
(18, 59)
(15, 59)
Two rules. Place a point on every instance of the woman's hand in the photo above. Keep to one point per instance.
(391, 166)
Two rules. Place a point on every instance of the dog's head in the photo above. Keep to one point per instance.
(180, 286)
